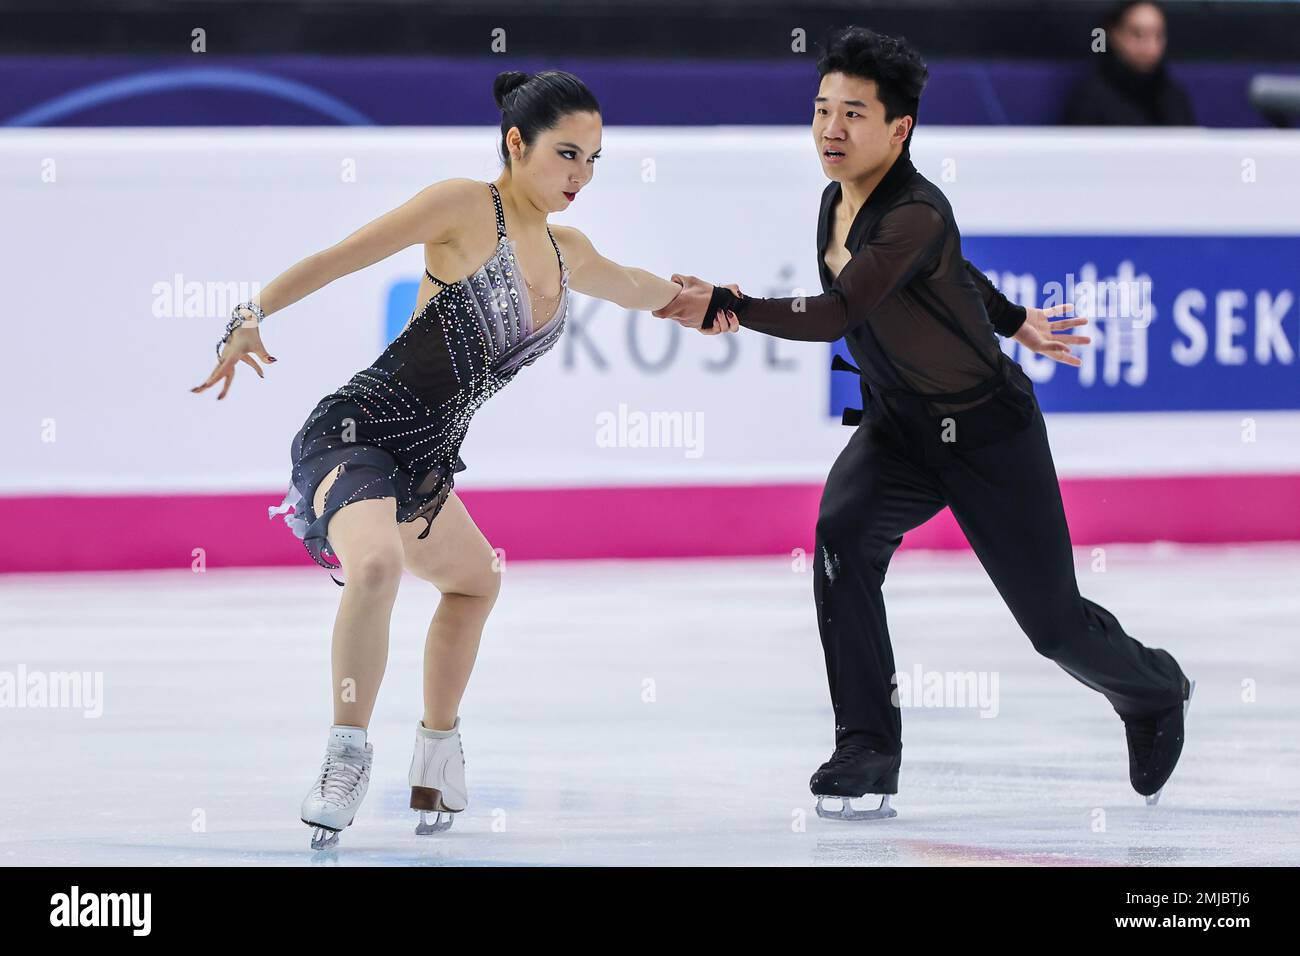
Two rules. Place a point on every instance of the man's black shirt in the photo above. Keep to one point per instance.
(916, 316)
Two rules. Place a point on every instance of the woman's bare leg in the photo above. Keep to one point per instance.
(365, 539)
(459, 562)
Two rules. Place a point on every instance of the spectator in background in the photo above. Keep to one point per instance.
(1131, 87)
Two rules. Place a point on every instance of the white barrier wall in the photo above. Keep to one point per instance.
(112, 240)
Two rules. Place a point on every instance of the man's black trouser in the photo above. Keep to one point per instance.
(1007, 502)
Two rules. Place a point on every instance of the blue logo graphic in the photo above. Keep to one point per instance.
(218, 79)
(1178, 323)
(400, 305)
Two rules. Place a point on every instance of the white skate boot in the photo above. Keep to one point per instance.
(437, 777)
(332, 802)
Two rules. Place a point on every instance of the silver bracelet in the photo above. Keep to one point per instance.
(236, 320)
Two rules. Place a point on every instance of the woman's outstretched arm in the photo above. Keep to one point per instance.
(592, 274)
(430, 216)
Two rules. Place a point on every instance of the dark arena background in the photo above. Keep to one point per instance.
(650, 689)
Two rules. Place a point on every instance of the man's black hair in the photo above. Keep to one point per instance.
(892, 62)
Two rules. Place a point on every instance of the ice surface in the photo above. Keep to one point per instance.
(664, 712)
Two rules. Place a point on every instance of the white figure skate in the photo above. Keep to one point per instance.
(437, 777)
(332, 802)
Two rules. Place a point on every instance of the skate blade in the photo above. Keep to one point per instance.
(847, 811)
(439, 825)
(1154, 798)
(323, 837)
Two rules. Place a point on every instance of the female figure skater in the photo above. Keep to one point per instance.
(382, 450)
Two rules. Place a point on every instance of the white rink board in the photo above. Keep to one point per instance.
(128, 210)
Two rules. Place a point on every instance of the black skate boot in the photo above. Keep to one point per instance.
(855, 771)
(1155, 742)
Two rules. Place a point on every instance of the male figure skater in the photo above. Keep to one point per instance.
(947, 419)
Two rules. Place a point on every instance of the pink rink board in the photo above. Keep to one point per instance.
(129, 532)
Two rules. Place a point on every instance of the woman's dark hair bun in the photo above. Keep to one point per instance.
(505, 84)
(538, 102)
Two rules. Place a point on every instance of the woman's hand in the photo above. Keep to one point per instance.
(690, 306)
(1037, 333)
(725, 321)
(244, 343)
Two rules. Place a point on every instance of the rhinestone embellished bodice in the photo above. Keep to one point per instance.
(413, 405)
(463, 346)
(473, 336)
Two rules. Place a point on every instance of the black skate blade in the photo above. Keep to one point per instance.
(848, 812)
(1154, 798)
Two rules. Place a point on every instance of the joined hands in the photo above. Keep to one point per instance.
(690, 306)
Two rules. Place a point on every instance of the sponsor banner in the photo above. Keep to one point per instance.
(130, 248)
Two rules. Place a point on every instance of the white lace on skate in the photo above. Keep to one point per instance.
(332, 802)
(341, 775)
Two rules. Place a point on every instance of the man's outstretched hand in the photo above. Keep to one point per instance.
(1038, 333)
(689, 306)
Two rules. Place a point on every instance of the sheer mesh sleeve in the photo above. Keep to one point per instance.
(1005, 315)
(907, 239)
